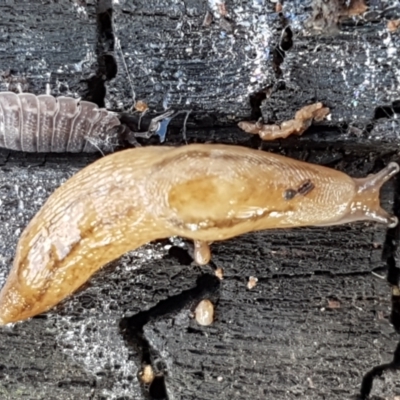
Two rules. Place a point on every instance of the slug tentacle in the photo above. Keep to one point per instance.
(202, 192)
(366, 205)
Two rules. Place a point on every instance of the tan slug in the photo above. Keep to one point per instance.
(202, 192)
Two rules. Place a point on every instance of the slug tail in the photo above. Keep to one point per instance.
(366, 204)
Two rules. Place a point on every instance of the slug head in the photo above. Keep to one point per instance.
(366, 203)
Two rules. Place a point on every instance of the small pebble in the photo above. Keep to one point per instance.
(204, 313)
(146, 375)
(252, 282)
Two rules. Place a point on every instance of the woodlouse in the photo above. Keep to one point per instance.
(45, 123)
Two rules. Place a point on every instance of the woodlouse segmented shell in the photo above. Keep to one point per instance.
(47, 124)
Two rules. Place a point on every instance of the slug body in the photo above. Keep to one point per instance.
(202, 192)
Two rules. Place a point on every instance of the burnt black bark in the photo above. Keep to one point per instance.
(322, 321)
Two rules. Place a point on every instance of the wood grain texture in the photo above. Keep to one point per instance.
(36, 49)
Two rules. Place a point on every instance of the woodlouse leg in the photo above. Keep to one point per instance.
(158, 126)
(129, 136)
(187, 113)
(202, 252)
(302, 120)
